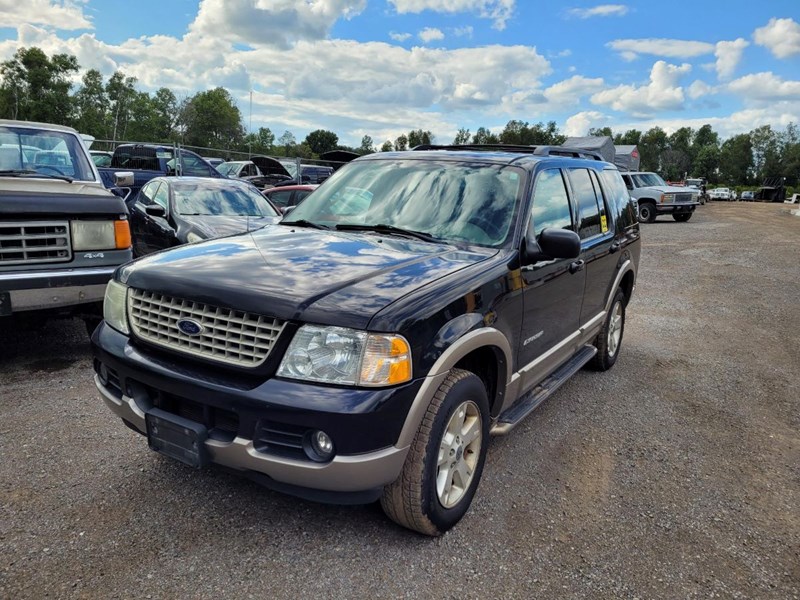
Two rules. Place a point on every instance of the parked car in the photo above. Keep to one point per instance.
(169, 211)
(699, 184)
(748, 195)
(314, 174)
(290, 195)
(214, 161)
(654, 197)
(261, 171)
(367, 345)
(795, 199)
(147, 161)
(62, 233)
(720, 194)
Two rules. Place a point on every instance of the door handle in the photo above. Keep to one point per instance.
(577, 266)
(614, 247)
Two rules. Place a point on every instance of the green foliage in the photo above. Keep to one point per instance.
(418, 137)
(484, 136)
(735, 159)
(652, 146)
(521, 134)
(37, 88)
(462, 137)
(401, 143)
(321, 141)
(260, 142)
(212, 120)
(387, 146)
(366, 147)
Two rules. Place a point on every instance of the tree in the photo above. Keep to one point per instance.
(260, 142)
(735, 159)
(37, 88)
(212, 120)
(287, 140)
(766, 152)
(120, 92)
(321, 141)
(632, 137)
(601, 132)
(462, 137)
(366, 146)
(651, 147)
(484, 136)
(165, 106)
(387, 146)
(707, 163)
(91, 103)
(418, 137)
(401, 143)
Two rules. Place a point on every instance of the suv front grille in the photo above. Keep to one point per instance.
(683, 197)
(34, 242)
(227, 336)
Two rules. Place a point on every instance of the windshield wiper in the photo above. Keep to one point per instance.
(305, 223)
(31, 172)
(384, 228)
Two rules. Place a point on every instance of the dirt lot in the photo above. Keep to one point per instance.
(675, 475)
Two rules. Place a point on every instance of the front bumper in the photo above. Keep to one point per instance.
(683, 207)
(36, 290)
(364, 424)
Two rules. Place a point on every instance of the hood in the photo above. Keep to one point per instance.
(325, 277)
(270, 166)
(213, 226)
(20, 196)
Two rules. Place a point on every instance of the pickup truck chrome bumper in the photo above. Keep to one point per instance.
(34, 290)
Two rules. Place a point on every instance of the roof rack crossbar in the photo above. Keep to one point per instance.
(535, 150)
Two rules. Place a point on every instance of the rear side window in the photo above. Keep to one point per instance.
(280, 198)
(593, 218)
(618, 197)
(550, 202)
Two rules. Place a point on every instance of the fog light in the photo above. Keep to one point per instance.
(321, 447)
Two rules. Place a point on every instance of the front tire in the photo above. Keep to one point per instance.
(446, 458)
(647, 212)
(683, 217)
(609, 340)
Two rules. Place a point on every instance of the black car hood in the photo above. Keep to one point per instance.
(212, 226)
(326, 277)
(269, 166)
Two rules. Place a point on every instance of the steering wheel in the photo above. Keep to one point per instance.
(52, 168)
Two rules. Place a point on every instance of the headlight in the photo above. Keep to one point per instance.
(100, 235)
(114, 306)
(193, 237)
(667, 198)
(347, 357)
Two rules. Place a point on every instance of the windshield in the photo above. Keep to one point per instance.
(202, 199)
(647, 180)
(228, 168)
(49, 153)
(449, 201)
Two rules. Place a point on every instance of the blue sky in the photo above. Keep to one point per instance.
(383, 67)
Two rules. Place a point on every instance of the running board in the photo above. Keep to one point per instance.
(528, 403)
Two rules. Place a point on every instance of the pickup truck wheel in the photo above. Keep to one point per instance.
(609, 339)
(682, 218)
(647, 212)
(446, 458)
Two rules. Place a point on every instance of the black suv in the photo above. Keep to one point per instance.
(368, 345)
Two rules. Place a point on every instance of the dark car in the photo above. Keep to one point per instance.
(290, 195)
(313, 174)
(169, 211)
(261, 171)
(101, 158)
(367, 345)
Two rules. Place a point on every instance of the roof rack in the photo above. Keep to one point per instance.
(534, 150)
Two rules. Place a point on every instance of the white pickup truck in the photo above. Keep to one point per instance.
(655, 197)
(720, 194)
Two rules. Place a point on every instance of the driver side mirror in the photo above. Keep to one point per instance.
(155, 210)
(552, 243)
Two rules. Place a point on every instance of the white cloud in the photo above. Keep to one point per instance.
(603, 10)
(400, 37)
(766, 87)
(499, 11)
(663, 92)
(58, 14)
(698, 89)
(631, 48)
(780, 36)
(729, 54)
(280, 23)
(727, 126)
(570, 91)
(579, 124)
(430, 34)
(466, 31)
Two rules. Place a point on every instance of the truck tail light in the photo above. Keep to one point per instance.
(122, 234)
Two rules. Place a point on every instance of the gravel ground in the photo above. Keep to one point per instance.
(674, 475)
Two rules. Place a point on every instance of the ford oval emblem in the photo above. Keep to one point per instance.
(190, 327)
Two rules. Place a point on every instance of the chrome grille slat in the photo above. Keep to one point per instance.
(34, 242)
(229, 336)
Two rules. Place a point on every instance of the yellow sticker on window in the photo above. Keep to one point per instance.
(603, 223)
